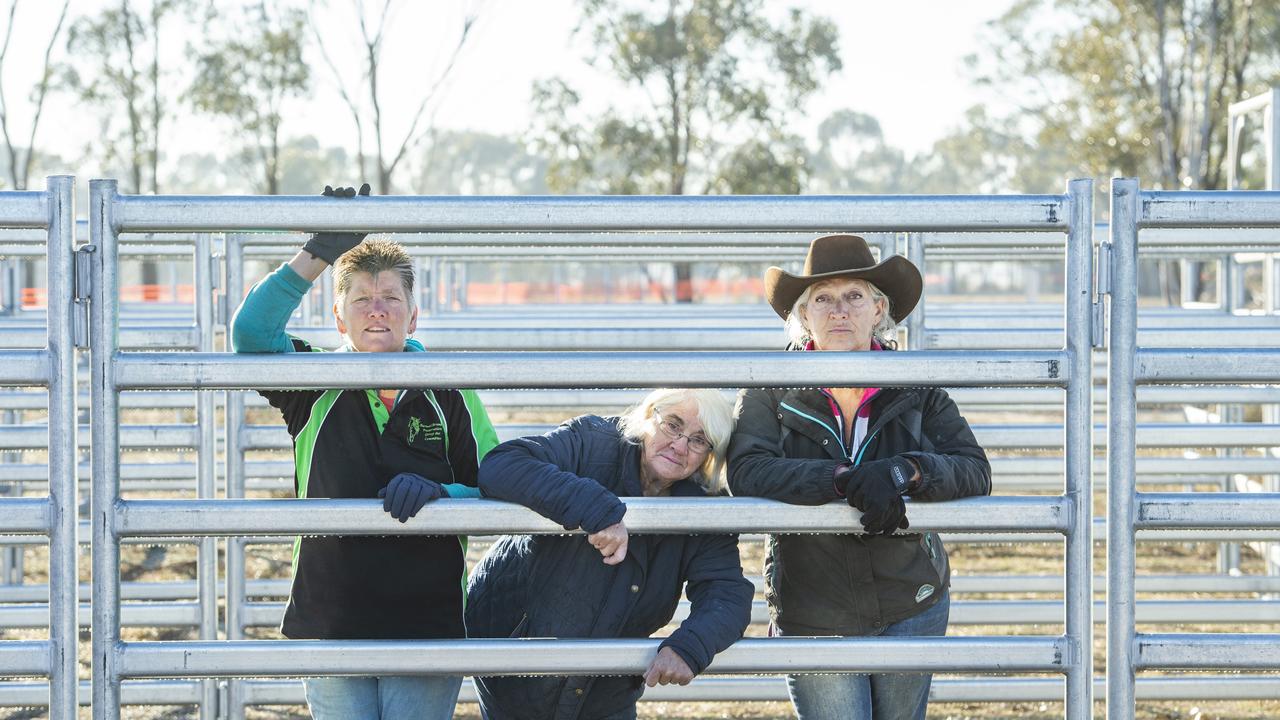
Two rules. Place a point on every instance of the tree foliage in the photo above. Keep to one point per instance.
(117, 71)
(714, 86)
(248, 75)
(368, 118)
(1134, 88)
(474, 163)
(19, 162)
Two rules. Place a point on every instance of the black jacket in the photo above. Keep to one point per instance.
(558, 586)
(786, 446)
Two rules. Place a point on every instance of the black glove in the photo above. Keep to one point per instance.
(405, 495)
(876, 489)
(329, 246)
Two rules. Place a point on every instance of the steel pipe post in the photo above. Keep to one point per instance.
(1078, 446)
(104, 322)
(206, 470)
(916, 320)
(64, 581)
(1122, 408)
(234, 597)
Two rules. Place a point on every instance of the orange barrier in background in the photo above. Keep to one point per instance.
(511, 293)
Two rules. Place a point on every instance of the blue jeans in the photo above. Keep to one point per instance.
(383, 698)
(881, 696)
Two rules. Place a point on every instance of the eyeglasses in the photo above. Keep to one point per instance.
(673, 430)
(854, 300)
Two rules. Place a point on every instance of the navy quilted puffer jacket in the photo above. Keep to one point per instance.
(558, 586)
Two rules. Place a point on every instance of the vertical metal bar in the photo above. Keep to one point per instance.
(461, 283)
(1079, 450)
(433, 286)
(1229, 553)
(64, 584)
(235, 472)
(1235, 125)
(1122, 412)
(1271, 129)
(206, 471)
(105, 451)
(916, 320)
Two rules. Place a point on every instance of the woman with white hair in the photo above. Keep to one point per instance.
(608, 583)
(867, 446)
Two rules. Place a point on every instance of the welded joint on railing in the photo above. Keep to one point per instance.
(83, 289)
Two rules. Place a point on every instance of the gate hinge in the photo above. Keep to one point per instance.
(219, 298)
(1103, 284)
(1104, 268)
(82, 290)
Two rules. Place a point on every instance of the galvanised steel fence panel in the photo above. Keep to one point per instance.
(1129, 511)
(115, 371)
(54, 516)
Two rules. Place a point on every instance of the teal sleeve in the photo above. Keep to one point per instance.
(458, 490)
(259, 324)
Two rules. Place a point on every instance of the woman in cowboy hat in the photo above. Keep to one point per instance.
(869, 447)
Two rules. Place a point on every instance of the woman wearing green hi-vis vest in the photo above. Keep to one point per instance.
(406, 446)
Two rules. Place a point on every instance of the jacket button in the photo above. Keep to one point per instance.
(824, 441)
(635, 588)
(578, 692)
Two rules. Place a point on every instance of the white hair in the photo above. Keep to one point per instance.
(799, 334)
(715, 412)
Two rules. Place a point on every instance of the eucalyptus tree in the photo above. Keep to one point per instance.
(248, 75)
(708, 94)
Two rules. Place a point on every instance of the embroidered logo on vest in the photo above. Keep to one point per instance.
(924, 592)
(430, 431)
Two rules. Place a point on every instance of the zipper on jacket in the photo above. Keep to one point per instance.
(866, 442)
(839, 441)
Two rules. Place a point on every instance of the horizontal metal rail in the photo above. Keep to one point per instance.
(968, 537)
(170, 613)
(943, 689)
(991, 437)
(152, 371)
(22, 209)
(1253, 365)
(25, 367)
(1007, 472)
(183, 518)
(1196, 651)
(1208, 209)
(1012, 397)
(292, 658)
(817, 213)
(169, 337)
(1208, 510)
(25, 515)
(960, 585)
(24, 658)
(962, 612)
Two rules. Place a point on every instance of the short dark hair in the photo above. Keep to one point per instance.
(373, 256)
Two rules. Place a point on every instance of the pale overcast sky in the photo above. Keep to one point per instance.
(902, 64)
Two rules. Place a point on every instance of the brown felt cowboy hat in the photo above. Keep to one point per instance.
(846, 256)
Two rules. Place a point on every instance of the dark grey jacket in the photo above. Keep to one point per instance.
(787, 445)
